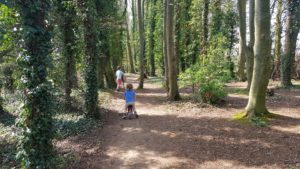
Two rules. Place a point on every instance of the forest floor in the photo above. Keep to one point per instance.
(187, 135)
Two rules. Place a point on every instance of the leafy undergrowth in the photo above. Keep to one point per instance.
(67, 123)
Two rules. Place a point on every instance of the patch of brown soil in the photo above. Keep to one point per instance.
(184, 135)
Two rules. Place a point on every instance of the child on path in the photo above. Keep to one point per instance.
(119, 78)
(130, 98)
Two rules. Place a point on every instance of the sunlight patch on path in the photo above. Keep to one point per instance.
(140, 157)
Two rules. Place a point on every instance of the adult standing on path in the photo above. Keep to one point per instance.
(119, 78)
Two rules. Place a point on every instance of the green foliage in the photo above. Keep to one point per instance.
(7, 70)
(91, 60)
(212, 91)
(210, 76)
(35, 120)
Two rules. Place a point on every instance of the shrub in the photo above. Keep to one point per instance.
(212, 92)
(211, 74)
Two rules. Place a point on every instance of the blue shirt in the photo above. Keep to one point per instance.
(129, 96)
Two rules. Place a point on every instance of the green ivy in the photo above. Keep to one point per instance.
(89, 15)
(35, 148)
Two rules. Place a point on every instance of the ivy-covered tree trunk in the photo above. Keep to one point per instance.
(91, 58)
(242, 48)
(292, 30)
(35, 144)
(173, 86)
(151, 37)
(142, 44)
(67, 12)
(204, 41)
(262, 58)
(278, 32)
(250, 51)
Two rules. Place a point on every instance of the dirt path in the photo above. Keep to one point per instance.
(185, 136)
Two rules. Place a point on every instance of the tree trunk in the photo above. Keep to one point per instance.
(204, 44)
(278, 32)
(129, 49)
(35, 120)
(67, 25)
(151, 38)
(242, 48)
(250, 52)
(142, 44)
(91, 60)
(134, 28)
(262, 52)
(292, 30)
(165, 49)
(173, 91)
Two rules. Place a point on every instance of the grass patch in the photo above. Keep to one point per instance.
(255, 121)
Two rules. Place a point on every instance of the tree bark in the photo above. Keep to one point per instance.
(242, 47)
(142, 44)
(67, 25)
(204, 37)
(173, 91)
(278, 32)
(262, 57)
(165, 49)
(151, 38)
(292, 31)
(91, 59)
(129, 48)
(250, 52)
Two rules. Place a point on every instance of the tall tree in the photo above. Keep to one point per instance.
(165, 48)
(128, 42)
(292, 31)
(250, 51)
(242, 48)
(35, 148)
(204, 44)
(278, 32)
(67, 24)
(173, 86)
(262, 58)
(142, 43)
(91, 59)
(151, 37)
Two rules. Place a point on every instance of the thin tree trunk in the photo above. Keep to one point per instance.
(129, 49)
(262, 52)
(142, 44)
(204, 37)
(173, 91)
(165, 49)
(250, 52)
(278, 31)
(134, 28)
(67, 25)
(151, 38)
(288, 59)
(242, 48)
